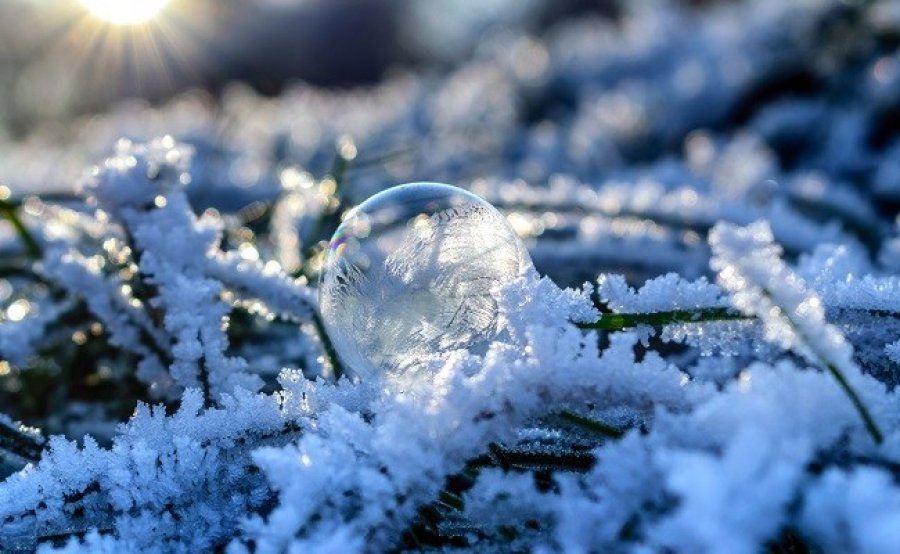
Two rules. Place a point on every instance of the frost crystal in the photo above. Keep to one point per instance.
(749, 265)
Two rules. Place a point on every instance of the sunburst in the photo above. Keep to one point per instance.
(147, 48)
(125, 12)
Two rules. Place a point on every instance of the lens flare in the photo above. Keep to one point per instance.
(125, 12)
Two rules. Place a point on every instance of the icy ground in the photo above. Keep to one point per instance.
(726, 182)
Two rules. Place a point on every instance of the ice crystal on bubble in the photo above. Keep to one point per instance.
(410, 272)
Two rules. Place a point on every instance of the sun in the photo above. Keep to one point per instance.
(125, 12)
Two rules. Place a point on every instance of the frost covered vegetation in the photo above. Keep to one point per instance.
(726, 181)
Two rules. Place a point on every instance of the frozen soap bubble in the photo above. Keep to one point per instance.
(409, 273)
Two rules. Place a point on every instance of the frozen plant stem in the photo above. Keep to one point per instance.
(25, 272)
(452, 501)
(327, 345)
(10, 213)
(382, 158)
(24, 445)
(591, 425)
(870, 424)
(505, 458)
(618, 322)
(338, 170)
(838, 375)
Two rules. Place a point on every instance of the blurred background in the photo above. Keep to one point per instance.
(59, 58)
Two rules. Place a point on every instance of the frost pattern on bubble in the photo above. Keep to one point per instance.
(409, 273)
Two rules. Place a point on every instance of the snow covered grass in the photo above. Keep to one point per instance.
(724, 380)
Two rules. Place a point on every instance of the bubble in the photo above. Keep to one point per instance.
(409, 273)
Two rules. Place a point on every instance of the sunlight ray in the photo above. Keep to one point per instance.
(119, 12)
